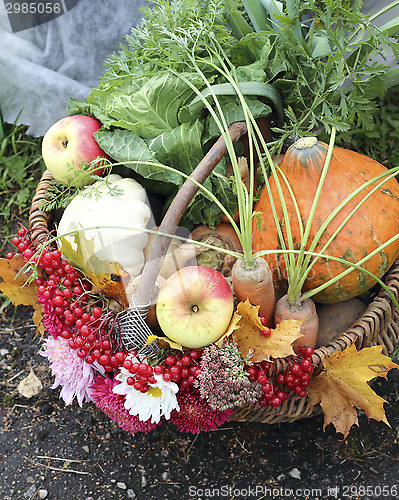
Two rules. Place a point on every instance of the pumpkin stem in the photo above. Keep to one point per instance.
(305, 142)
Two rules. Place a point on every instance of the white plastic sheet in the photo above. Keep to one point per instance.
(41, 67)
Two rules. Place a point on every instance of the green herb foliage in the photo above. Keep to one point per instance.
(381, 142)
(330, 61)
(148, 103)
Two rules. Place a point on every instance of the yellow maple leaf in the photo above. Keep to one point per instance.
(233, 325)
(20, 290)
(343, 386)
(164, 342)
(250, 339)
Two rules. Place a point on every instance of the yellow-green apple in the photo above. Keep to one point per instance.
(68, 144)
(195, 306)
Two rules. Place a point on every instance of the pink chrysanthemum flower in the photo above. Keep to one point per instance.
(113, 405)
(196, 415)
(51, 321)
(73, 374)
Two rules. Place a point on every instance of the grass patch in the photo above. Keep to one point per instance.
(21, 166)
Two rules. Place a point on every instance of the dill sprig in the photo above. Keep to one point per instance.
(148, 51)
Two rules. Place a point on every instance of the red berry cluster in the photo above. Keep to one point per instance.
(23, 245)
(276, 390)
(298, 374)
(142, 374)
(66, 294)
(181, 368)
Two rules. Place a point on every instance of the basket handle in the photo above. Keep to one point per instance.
(175, 212)
(38, 219)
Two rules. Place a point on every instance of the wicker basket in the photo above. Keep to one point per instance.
(379, 325)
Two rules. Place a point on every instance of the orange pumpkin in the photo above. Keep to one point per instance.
(374, 223)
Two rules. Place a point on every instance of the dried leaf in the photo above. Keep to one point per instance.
(38, 321)
(108, 277)
(233, 326)
(249, 337)
(343, 386)
(30, 385)
(164, 342)
(21, 290)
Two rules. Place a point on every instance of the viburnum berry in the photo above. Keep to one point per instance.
(142, 369)
(280, 379)
(275, 402)
(138, 385)
(282, 395)
(96, 312)
(306, 365)
(175, 371)
(170, 360)
(81, 353)
(104, 359)
(186, 360)
(296, 369)
(261, 378)
(194, 354)
(120, 356)
(308, 352)
(266, 332)
(167, 377)
(158, 369)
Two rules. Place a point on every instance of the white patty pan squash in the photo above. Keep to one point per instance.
(117, 202)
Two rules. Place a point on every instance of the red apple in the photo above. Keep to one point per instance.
(67, 144)
(195, 306)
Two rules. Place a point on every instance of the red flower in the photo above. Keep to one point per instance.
(196, 415)
(113, 405)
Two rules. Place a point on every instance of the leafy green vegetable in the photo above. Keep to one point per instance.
(148, 100)
(323, 57)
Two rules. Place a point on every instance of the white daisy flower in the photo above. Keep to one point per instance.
(158, 402)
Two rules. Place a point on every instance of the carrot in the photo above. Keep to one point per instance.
(256, 285)
(223, 236)
(304, 310)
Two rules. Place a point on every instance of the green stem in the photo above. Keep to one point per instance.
(379, 13)
(351, 267)
(336, 211)
(293, 294)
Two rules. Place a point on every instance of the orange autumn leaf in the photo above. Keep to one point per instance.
(249, 336)
(233, 325)
(164, 342)
(20, 290)
(342, 386)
